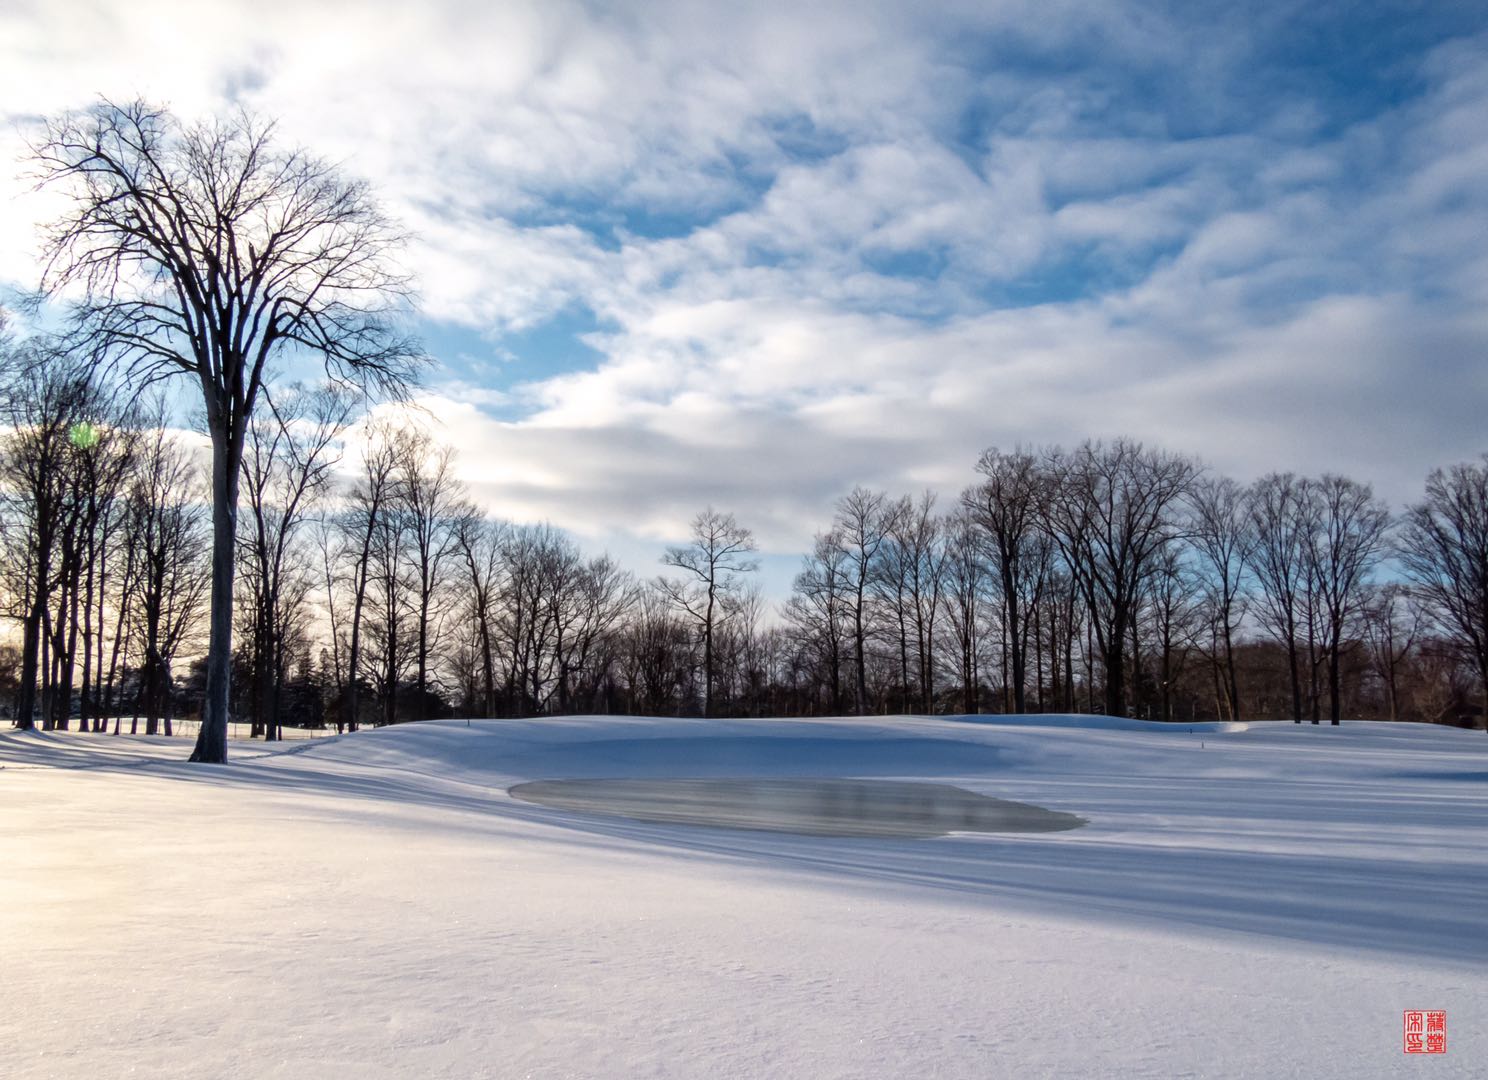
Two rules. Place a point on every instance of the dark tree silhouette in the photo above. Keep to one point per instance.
(862, 528)
(1112, 511)
(1283, 515)
(712, 563)
(287, 467)
(1221, 534)
(211, 251)
(47, 391)
(1006, 508)
(1443, 546)
(1345, 547)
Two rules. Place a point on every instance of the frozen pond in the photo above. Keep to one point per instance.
(815, 807)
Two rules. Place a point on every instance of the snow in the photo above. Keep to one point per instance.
(1245, 901)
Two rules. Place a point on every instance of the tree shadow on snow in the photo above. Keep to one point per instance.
(1395, 902)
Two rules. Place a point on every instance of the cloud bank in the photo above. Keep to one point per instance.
(674, 254)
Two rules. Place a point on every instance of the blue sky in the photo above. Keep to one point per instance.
(752, 255)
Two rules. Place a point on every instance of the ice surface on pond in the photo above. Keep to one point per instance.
(816, 807)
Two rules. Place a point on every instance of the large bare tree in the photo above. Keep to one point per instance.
(431, 496)
(210, 250)
(711, 564)
(862, 528)
(1221, 533)
(817, 612)
(1283, 516)
(1348, 542)
(1006, 506)
(1113, 509)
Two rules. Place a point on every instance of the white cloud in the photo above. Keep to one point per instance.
(892, 235)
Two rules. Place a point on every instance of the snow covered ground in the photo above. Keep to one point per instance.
(1260, 902)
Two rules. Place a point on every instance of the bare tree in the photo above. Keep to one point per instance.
(817, 612)
(208, 250)
(604, 595)
(370, 501)
(1345, 547)
(431, 496)
(862, 527)
(388, 609)
(106, 459)
(48, 391)
(1283, 514)
(966, 586)
(656, 656)
(480, 541)
(1443, 547)
(1173, 604)
(916, 566)
(287, 468)
(1222, 535)
(1393, 621)
(1006, 507)
(540, 567)
(166, 527)
(1112, 509)
(711, 565)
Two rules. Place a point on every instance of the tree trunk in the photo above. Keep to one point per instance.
(1115, 676)
(1016, 654)
(31, 643)
(708, 656)
(1089, 666)
(273, 729)
(100, 723)
(861, 647)
(1335, 706)
(1054, 688)
(47, 671)
(1167, 676)
(421, 710)
(353, 659)
(903, 658)
(1069, 656)
(69, 660)
(1038, 655)
(1136, 671)
(1296, 679)
(120, 642)
(85, 702)
(211, 737)
(1233, 683)
(1221, 705)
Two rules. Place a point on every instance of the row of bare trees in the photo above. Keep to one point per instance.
(424, 594)
(371, 589)
(103, 524)
(1119, 578)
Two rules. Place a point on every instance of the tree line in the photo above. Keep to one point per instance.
(371, 589)
(1108, 577)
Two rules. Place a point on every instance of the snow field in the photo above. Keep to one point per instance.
(1246, 901)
